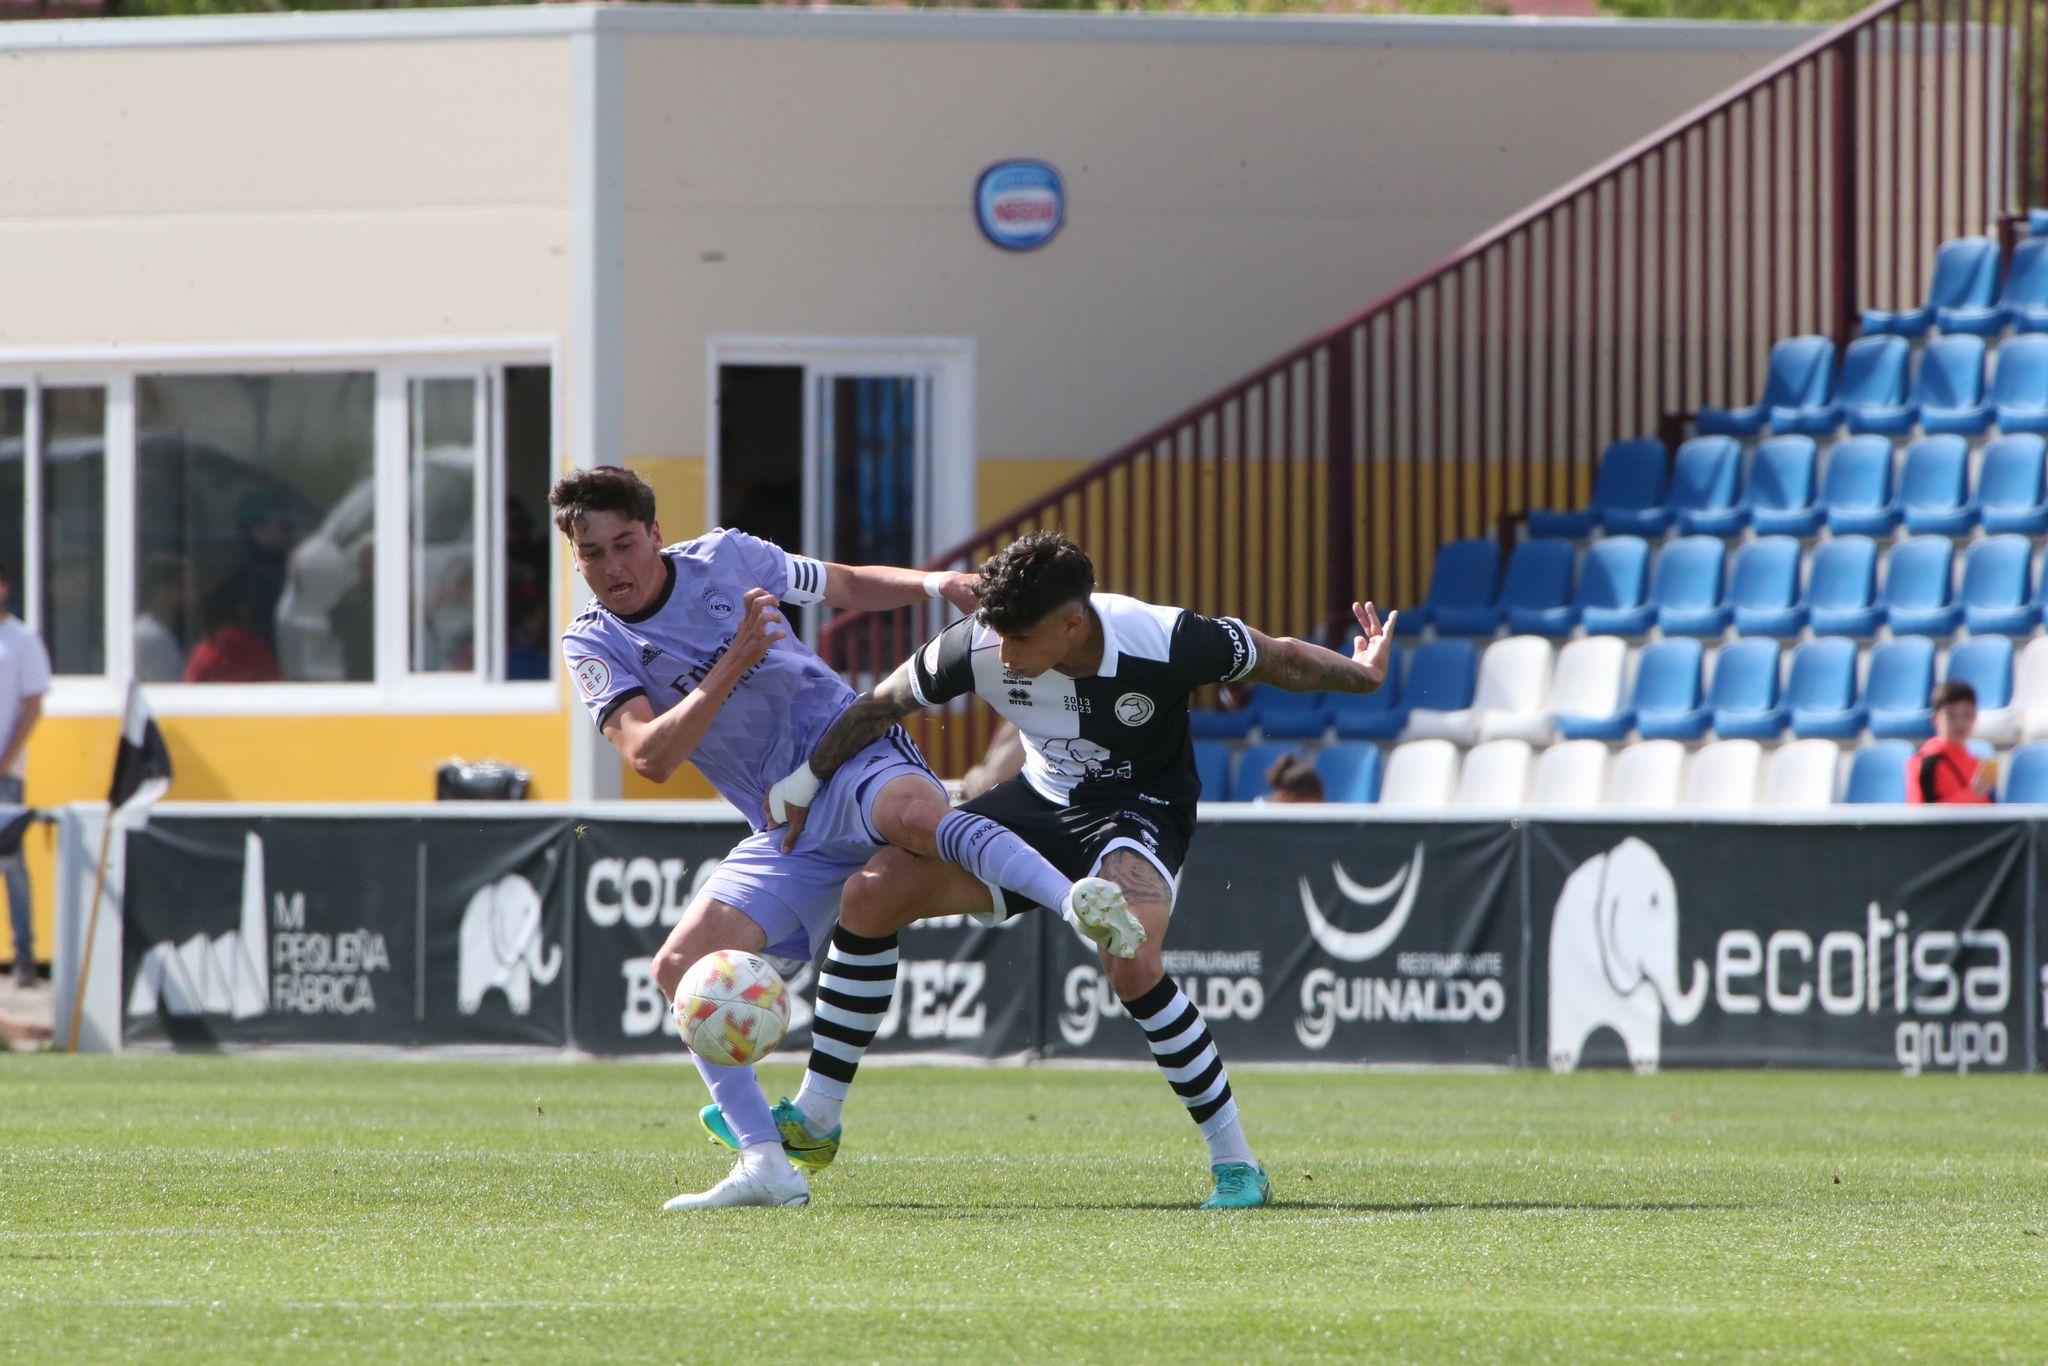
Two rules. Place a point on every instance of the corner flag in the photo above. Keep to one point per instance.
(142, 766)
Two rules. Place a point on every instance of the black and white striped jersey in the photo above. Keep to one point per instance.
(1121, 733)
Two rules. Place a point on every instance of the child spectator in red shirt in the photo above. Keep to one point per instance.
(1944, 770)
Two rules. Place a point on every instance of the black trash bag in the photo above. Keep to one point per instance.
(490, 780)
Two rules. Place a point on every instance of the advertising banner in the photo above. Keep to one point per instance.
(1782, 945)
(1352, 941)
(959, 987)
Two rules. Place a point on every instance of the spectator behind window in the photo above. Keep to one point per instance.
(1944, 770)
(1293, 778)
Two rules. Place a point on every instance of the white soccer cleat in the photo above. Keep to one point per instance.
(1097, 906)
(742, 1187)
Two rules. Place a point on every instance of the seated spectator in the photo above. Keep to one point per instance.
(1293, 778)
(230, 651)
(1944, 770)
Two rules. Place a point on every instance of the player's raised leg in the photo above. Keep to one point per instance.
(763, 1174)
(911, 816)
(1178, 1035)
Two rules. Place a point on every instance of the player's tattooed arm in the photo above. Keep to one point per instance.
(866, 721)
(1299, 666)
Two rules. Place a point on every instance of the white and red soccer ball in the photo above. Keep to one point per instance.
(732, 1008)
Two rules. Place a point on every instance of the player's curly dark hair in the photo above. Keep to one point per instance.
(1031, 578)
(606, 488)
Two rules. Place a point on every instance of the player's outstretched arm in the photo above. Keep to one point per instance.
(860, 725)
(878, 587)
(656, 746)
(1298, 666)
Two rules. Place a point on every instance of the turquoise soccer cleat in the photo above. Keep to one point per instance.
(805, 1149)
(1240, 1185)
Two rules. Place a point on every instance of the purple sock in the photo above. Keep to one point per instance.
(740, 1097)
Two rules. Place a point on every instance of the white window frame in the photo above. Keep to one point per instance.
(948, 362)
(395, 689)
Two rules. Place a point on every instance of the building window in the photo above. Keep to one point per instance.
(255, 498)
(364, 526)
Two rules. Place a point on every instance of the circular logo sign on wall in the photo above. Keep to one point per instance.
(1020, 205)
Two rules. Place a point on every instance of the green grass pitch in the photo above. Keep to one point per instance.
(281, 1208)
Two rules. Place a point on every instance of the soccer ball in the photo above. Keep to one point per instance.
(732, 1008)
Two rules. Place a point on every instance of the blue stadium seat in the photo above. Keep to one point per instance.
(1209, 723)
(1212, 764)
(1919, 587)
(1706, 487)
(1877, 773)
(1857, 488)
(1949, 390)
(1442, 674)
(1377, 715)
(1985, 663)
(1613, 597)
(1801, 377)
(1899, 693)
(2012, 488)
(1763, 592)
(1820, 691)
(1667, 701)
(1252, 763)
(1351, 773)
(2026, 779)
(1965, 277)
(1998, 592)
(1744, 700)
(1628, 495)
(1783, 494)
(1464, 589)
(1934, 487)
(1873, 392)
(2024, 298)
(1687, 588)
(2019, 392)
(1285, 715)
(1536, 593)
(1841, 588)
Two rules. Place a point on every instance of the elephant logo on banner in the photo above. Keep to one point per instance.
(1357, 946)
(1614, 957)
(502, 948)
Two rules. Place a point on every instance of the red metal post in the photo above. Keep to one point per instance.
(1341, 451)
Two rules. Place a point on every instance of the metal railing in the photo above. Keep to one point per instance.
(1615, 307)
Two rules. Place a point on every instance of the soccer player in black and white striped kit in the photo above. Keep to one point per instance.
(1097, 684)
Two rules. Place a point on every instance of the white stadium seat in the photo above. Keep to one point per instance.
(1509, 700)
(1571, 776)
(2027, 716)
(1589, 678)
(1420, 773)
(1647, 775)
(1496, 774)
(1725, 773)
(1802, 774)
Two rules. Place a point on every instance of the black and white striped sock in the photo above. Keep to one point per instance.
(1181, 1045)
(854, 990)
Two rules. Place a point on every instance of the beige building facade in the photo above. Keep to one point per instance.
(319, 302)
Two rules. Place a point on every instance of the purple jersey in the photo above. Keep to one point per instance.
(782, 706)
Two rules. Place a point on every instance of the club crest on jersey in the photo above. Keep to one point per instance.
(1134, 709)
(718, 603)
(593, 676)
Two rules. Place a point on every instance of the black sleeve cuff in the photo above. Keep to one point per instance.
(621, 700)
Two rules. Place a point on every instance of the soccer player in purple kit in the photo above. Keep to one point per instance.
(684, 657)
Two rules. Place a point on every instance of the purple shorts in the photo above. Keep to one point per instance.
(794, 897)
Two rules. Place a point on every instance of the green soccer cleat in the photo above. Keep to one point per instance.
(806, 1151)
(1240, 1185)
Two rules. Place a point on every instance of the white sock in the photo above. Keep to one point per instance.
(821, 1110)
(1225, 1137)
(768, 1161)
(1002, 859)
